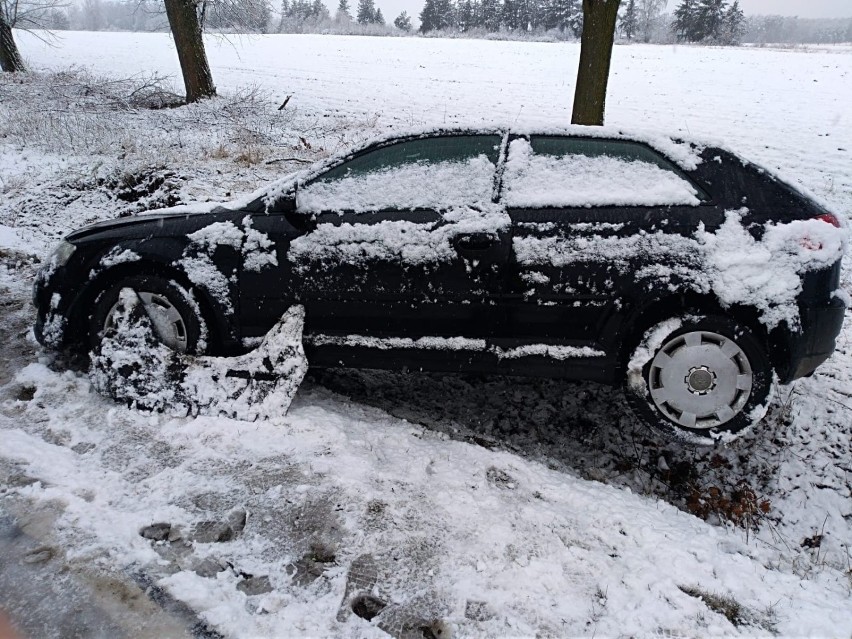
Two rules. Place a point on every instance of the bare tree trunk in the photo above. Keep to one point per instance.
(183, 21)
(599, 18)
(10, 57)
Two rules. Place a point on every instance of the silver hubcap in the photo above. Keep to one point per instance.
(165, 318)
(700, 379)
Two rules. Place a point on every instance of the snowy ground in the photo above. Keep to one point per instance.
(486, 507)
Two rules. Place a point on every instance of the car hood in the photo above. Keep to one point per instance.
(145, 219)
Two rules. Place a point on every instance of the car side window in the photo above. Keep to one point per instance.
(556, 171)
(432, 173)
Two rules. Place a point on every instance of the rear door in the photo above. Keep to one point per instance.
(597, 225)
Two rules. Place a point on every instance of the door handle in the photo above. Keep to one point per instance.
(475, 241)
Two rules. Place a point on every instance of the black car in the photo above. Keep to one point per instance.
(684, 272)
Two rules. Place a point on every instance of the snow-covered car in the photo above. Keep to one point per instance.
(682, 271)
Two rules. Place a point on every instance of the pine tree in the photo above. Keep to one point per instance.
(549, 17)
(525, 12)
(685, 25)
(568, 15)
(733, 24)
(319, 11)
(378, 18)
(465, 15)
(489, 15)
(629, 22)
(510, 15)
(403, 22)
(436, 15)
(366, 11)
(710, 16)
(343, 14)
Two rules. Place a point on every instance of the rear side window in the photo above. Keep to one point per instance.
(551, 171)
(432, 173)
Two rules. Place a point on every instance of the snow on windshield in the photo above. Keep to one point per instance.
(410, 186)
(540, 180)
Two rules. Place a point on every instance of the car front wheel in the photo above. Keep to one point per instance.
(700, 379)
(174, 316)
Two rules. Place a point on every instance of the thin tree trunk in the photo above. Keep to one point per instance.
(183, 21)
(599, 17)
(10, 57)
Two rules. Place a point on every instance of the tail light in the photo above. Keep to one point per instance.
(830, 218)
(813, 245)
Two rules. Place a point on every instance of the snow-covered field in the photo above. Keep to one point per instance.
(476, 507)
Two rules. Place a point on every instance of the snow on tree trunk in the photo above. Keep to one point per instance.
(134, 367)
(599, 17)
(10, 57)
(186, 30)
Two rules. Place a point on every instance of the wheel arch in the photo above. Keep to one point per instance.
(220, 324)
(647, 315)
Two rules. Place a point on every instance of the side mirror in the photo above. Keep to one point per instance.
(284, 204)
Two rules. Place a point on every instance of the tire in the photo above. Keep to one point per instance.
(700, 379)
(169, 306)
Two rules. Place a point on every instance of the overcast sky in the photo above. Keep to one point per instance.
(802, 8)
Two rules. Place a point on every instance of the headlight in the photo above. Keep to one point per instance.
(59, 258)
(61, 254)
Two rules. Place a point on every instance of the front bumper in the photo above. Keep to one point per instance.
(820, 326)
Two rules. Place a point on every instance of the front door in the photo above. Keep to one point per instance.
(399, 247)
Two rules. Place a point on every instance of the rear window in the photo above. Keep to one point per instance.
(552, 171)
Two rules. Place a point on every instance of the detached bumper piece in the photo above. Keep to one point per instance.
(133, 366)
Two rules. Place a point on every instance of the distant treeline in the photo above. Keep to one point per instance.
(641, 20)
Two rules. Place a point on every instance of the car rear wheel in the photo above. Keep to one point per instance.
(700, 379)
(174, 317)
